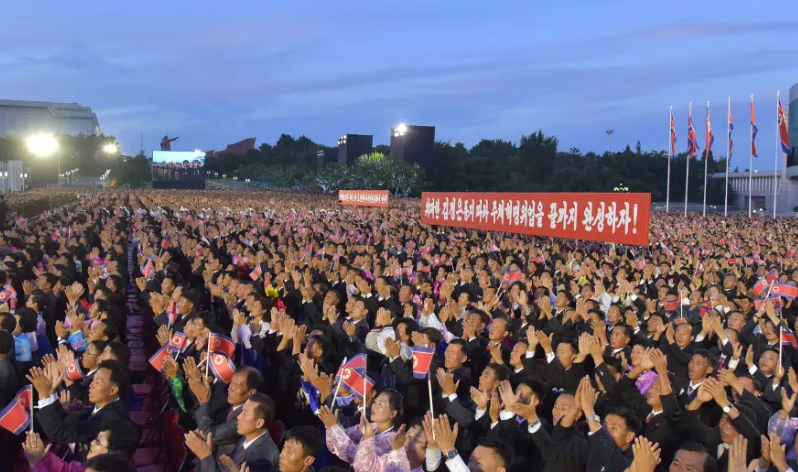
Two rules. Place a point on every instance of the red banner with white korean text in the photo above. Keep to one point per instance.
(609, 217)
(378, 198)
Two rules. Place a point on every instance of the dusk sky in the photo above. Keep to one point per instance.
(214, 73)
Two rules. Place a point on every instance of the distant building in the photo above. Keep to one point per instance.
(239, 149)
(762, 191)
(413, 144)
(11, 173)
(24, 117)
(352, 146)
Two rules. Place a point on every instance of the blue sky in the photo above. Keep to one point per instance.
(217, 72)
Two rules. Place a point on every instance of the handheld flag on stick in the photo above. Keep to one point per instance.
(157, 359)
(784, 290)
(222, 368)
(422, 359)
(17, 415)
(73, 371)
(221, 343)
(178, 342)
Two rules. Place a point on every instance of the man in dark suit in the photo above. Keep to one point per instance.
(245, 383)
(255, 447)
(82, 426)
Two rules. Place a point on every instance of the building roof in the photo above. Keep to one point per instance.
(62, 110)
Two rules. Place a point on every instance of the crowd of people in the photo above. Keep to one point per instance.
(288, 333)
(186, 170)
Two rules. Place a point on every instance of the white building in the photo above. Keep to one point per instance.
(762, 190)
(24, 117)
(11, 176)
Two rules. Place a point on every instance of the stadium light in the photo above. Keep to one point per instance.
(110, 148)
(42, 144)
(400, 130)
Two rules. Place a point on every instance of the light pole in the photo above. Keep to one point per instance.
(44, 145)
(23, 177)
(4, 174)
(235, 179)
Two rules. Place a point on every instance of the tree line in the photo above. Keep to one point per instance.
(532, 164)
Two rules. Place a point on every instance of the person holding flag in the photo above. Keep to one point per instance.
(377, 432)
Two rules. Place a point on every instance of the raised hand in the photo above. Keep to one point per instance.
(327, 417)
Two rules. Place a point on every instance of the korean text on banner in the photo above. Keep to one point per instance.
(608, 217)
(378, 198)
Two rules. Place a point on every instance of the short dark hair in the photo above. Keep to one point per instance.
(503, 450)
(433, 334)
(8, 322)
(121, 351)
(264, 407)
(124, 436)
(111, 462)
(6, 342)
(255, 380)
(28, 319)
(710, 464)
(501, 371)
(460, 342)
(308, 436)
(706, 355)
(632, 421)
(110, 330)
(118, 374)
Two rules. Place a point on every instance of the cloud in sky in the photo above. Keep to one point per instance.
(214, 73)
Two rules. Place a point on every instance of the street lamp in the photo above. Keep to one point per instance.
(110, 148)
(235, 178)
(23, 177)
(4, 175)
(44, 145)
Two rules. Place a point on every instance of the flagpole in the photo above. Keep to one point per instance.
(776, 158)
(365, 382)
(687, 173)
(668, 190)
(728, 158)
(751, 160)
(706, 159)
(431, 412)
(338, 387)
(208, 357)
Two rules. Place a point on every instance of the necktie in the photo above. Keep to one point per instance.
(690, 390)
(650, 415)
(230, 413)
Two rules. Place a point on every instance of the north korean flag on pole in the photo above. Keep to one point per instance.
(73, 371)
(422, 359)
(772, 276)
(784, 290)
(16, 416)
(357, 382)
(788, 337)
(223, 344)
(157, 359)
(178, 341)
(222, 368)
(256, 273)
(511, 277)
(760, 286)
(672, 305)
(356, 362)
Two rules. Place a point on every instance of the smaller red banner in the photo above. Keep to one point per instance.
(378, 198)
